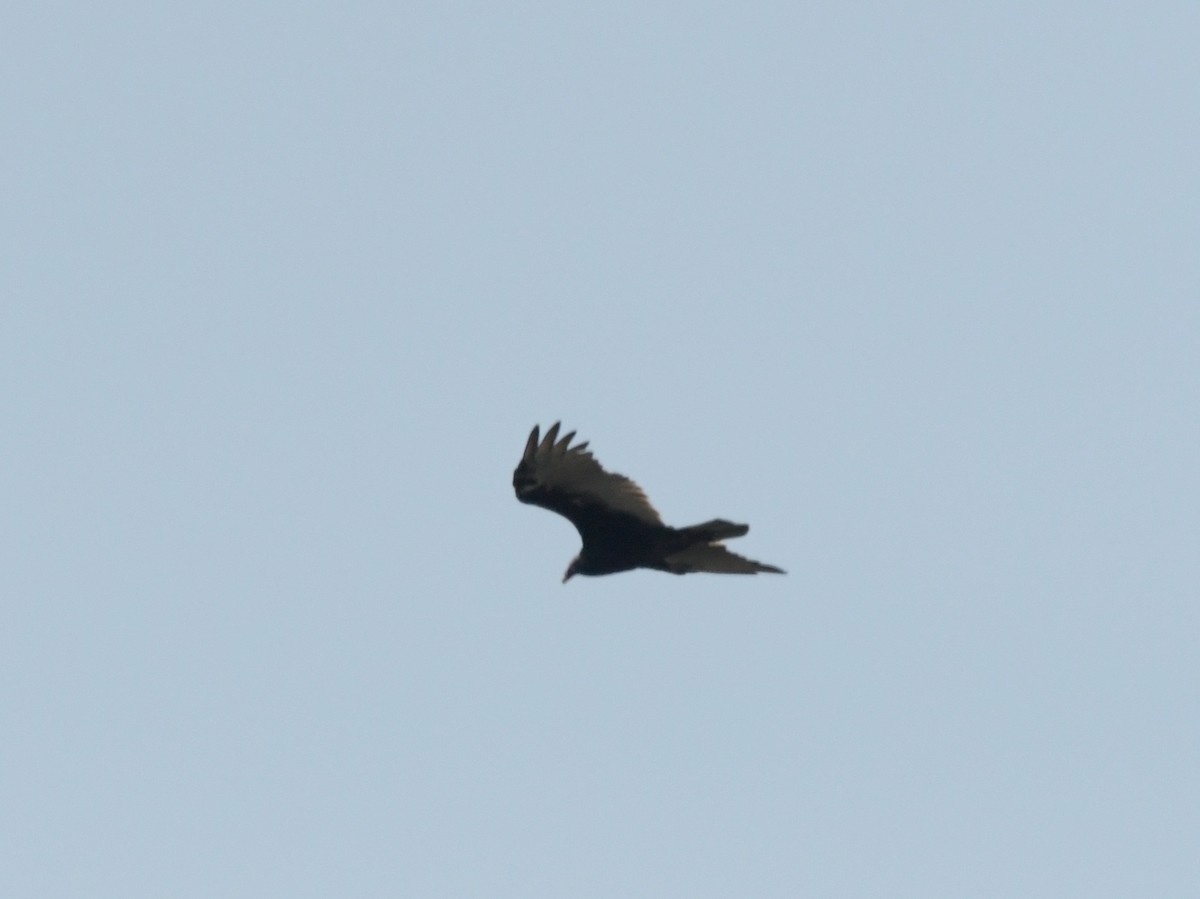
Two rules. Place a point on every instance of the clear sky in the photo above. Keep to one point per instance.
(913, 289)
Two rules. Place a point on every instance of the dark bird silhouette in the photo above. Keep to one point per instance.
(620, 529)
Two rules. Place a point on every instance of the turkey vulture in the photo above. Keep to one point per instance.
(620, 529)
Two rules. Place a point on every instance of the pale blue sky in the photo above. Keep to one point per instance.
(913, 289)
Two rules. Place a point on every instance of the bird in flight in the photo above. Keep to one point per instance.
(620, 529)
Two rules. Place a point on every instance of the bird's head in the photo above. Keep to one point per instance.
(572, 570)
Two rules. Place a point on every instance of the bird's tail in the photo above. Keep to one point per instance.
(701, 551)
(717, 529)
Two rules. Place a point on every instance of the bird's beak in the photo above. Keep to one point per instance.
(570, 574)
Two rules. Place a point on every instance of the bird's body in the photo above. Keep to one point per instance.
(620, 529)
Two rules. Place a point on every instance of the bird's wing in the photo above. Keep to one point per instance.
(568, 480)
(715, 558)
